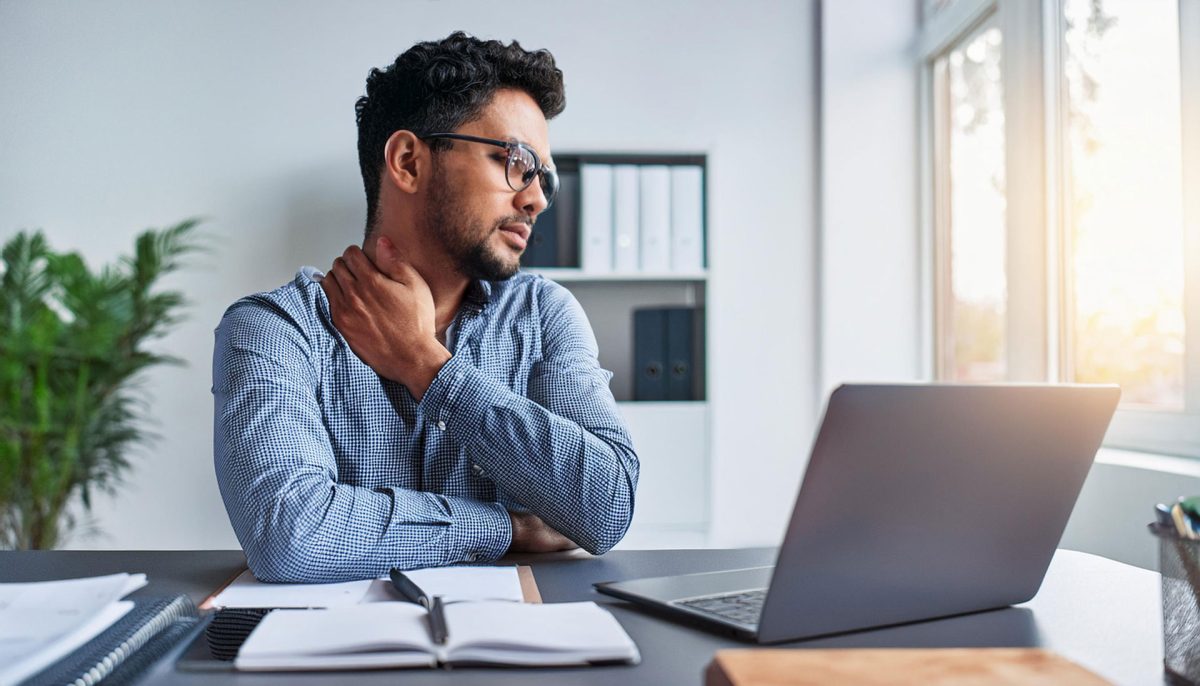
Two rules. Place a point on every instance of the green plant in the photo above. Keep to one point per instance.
(72, 348)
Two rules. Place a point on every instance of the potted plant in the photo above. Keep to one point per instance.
(73, 344)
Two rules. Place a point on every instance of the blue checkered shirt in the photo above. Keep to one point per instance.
(330, 472)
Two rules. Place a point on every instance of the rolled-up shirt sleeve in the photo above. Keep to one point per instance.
(562, 451)
(279, 480)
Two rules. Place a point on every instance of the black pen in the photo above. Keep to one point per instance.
(408, 589)
(437, 621)
(414, 594)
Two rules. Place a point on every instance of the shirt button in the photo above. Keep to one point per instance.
(476, 470)
(441, 425)
(472, 557)
(458, 375)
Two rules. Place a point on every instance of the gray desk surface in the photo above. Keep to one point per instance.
(1103, 614)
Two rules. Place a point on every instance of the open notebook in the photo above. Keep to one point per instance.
(396, 634)
(452, 583)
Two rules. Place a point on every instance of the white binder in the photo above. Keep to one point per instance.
(626, 218)
(596, 218)
(655, 196)
(687, 218)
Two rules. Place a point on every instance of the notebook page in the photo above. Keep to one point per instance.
(42, 621)
(374, 635)
(456, 584)
(246, 591)
(555, 633)
(46, 609)
(26, 664)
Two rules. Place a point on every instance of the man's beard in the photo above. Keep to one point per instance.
(450, 225)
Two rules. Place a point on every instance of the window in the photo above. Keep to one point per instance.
(970, 122)
(1060, 139)
(1124, 207)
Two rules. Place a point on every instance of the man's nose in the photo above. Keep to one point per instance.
(531, 201)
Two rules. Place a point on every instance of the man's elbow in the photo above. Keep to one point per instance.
(290, 563)
(290, 555)
(605, 528)
(606, 532)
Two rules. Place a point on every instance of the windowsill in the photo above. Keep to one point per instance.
(1167, 464)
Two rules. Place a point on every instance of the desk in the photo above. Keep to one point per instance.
(1103, 614)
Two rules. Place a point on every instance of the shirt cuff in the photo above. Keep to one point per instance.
(481, 532)
(459, 399)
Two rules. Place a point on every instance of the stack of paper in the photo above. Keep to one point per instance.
(41, 622)
(452, 583)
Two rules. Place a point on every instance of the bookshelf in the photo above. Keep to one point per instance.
(562, 275)
(673, 438)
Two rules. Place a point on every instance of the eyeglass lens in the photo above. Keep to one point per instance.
(523, 166)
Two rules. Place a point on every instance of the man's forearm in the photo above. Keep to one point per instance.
(579, 480)
(322, 532)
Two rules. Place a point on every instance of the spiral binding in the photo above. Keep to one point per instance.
(120, 643)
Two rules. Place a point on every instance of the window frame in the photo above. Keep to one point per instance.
(1037, 254)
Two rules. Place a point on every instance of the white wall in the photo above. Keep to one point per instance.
(115, 116)
(1118, 500)
(870, 319)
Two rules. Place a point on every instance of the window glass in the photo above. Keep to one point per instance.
(1124, 224)
(974, 241)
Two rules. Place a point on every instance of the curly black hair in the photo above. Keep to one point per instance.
(441, 85)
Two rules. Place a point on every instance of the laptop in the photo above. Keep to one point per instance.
(919, 501)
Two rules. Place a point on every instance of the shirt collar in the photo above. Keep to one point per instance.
(478, 295)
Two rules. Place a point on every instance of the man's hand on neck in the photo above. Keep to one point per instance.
(445, 282)
(386, 312)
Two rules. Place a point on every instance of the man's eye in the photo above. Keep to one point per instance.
(500, 157)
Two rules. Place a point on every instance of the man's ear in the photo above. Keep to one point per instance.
(406, 161)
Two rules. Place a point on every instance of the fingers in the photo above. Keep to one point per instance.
(388, 261)
(341, 271)
(331, 286)
(357, 263)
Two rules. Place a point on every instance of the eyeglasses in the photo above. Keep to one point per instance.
(521, 166)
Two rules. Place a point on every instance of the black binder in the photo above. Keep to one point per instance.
(542, 250)
(121, 653)
(649, 354)
(668, 351)
(555, 239)
(685, 353)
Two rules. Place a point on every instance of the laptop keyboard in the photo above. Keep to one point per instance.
(743, 607)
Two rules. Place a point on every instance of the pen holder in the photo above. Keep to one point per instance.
(1179, 562)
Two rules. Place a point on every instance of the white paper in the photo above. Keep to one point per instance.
(246, 591)
(565, 627)
(452, 583)
(40, 622)
(456, 584)
(51, 608)
(392, 634)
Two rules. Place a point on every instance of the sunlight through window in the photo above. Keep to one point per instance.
(1124, 205)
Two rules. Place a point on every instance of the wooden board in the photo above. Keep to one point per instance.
(529, 587)
(869, 667)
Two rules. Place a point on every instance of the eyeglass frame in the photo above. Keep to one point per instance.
(547, 173)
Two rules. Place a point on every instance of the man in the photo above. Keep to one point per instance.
(424, 403)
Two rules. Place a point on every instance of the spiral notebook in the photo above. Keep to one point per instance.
(121, 653)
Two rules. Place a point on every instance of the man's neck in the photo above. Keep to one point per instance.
(447, 285)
